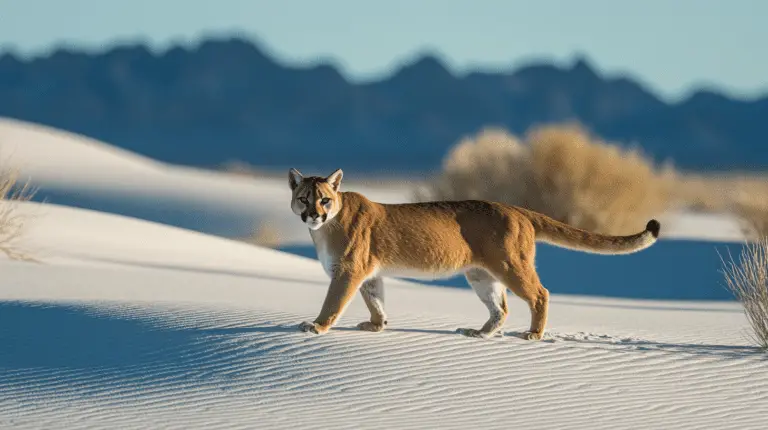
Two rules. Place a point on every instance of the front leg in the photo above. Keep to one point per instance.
(373, 294)
(344, 285)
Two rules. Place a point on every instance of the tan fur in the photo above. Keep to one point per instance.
(492, 243)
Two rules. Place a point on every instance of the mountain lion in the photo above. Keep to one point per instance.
(359, 241)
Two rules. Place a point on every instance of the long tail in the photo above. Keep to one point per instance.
(565, 236)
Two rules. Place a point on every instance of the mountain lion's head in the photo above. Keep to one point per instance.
(315, 199)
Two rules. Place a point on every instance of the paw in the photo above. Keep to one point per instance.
(308, 327)
(369, 326)
(533, 335)
(470, 332)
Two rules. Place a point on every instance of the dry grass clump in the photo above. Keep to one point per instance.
(748, 281)
(559, 170)
(754, 216)
(12, 223)
(743, 195)
(749, 201)
(483, 167)
(240, 168)
(265, 234)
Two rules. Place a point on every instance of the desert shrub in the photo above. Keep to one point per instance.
(12, 223)
(754, 218)
(748, 281)
(558, 170)
(266, 234)
(741, 194)
(480, 168)
(241, 168)
(752, 210)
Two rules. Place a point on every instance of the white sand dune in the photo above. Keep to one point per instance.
(78, 171)
(130, 324)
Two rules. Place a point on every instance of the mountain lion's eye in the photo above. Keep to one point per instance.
(325, 201)
(303, 200)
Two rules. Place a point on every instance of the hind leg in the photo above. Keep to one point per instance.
(539, 305)
(523, 280)
(493, 294)
(373, 295)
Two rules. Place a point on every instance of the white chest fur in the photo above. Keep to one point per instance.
(327, 260)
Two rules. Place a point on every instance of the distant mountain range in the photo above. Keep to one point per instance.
(226, 100)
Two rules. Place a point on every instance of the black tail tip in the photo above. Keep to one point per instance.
(654, 227)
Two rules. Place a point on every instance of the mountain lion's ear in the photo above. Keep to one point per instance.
(294, 178)
(335, 179)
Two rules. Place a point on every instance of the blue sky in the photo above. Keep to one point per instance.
(670, 45)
